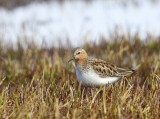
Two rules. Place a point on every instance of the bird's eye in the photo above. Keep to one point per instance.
(78, 53)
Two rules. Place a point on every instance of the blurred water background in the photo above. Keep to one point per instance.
(62, 21)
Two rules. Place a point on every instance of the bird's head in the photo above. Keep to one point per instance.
(80, 56)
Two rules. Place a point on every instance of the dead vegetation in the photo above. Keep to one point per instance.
(38, 83)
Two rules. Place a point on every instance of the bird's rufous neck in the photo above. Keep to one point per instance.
(82, 61)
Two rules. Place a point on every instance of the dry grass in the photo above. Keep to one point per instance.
(38, 83)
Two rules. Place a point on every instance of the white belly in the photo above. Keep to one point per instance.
(91, 78)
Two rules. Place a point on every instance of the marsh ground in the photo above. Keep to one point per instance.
(38, 82)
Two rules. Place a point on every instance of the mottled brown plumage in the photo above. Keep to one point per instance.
(104, 69)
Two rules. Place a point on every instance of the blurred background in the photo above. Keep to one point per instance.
(59, 22)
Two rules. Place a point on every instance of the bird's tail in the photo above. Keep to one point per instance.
(137, 67)
(127, 72)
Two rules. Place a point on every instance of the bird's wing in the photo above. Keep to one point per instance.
(104, 69)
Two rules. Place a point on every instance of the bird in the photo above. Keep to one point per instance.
(93, 71)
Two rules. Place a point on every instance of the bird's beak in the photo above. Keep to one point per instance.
(72, 58)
